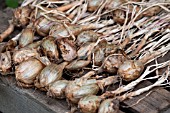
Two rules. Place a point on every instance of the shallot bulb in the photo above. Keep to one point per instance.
(102, 50)
(93, 5)
(60, 31)
(49, 74)
(50, 49)
(109, 106)
(89, 104)
(34, 45)
(112, 63)
(27, 71)
(80, 88)
(57, 89)
(87, 36)
(68, 49)
(26, 37)
(85, 50)
(5, 62)
(65, 31)
(24, 54)
(75, 91)
(130, 70)
(43, 26)
(93, 103)
(78, 64)
(21, 16)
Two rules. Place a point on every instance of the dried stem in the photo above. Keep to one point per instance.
(154, 54)
(159, 82)
(7, 32)
(68, 6)
(154, 44)
(128, 39)
(131, 85)
(143, 41)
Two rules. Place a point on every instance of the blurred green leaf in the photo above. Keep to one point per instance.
(12, 3)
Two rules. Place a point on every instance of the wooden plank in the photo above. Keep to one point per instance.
(20, 100)
(156, 102)
(142, 107)
(14, 102)
(164, 93)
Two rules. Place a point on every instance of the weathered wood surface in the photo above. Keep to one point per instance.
(157, 101)
(17, 99)
(14, 99)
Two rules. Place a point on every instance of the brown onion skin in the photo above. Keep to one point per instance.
(102, 50)
(109, 106)
(85, 50)
(130, 70)
(10, 46)
(89, 104)
(24, 54)
(27, 71)
(50, 49)
(60, 31)
(57, 89)
(3, 46)
(112, 64)
(49, 74)
(75, 91)
(87, 36)
(43, 26)
(21, 16)
(68, 49)
(151, 11)
(34, 45)
(5, 62)
(26, 37)
(78, 64)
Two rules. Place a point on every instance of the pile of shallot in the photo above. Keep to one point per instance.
(75, 49)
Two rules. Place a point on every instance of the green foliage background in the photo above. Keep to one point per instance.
(12, 3)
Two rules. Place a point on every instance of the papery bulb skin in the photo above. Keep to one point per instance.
(43, 26)
(130, 70)
(24, 54)
(57, 89)
(87, 36)
(27, 71)
(50, 49)
(75, 90)
(26, 37)
(5, 62)
(21, 16)
(49, 74)
(89, 104)
(109, 106)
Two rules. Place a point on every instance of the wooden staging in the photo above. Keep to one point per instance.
(14, 99)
